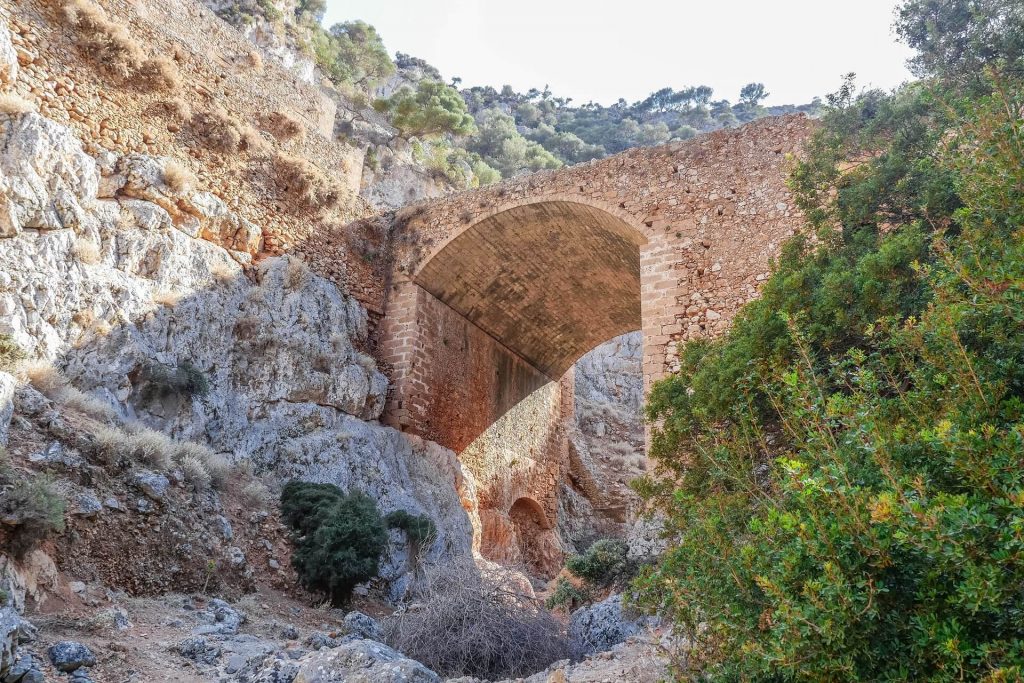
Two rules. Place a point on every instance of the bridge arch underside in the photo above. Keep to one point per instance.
(549, 280)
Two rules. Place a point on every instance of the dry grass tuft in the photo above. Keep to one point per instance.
(86, 251)
(256, 494)
(11, 103)
(177, 177)
(88, 404)
(283, 126)
(194, 470)
(151, 447)
(296, 274)
(49, 381)
(304, 182)
(167, 298)
(255, 60)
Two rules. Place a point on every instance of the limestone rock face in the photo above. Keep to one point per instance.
(362, 661)
(132, 295)
(45, 176)
(7, 385)
(8, 56)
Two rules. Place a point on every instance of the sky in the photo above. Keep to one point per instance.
(602, 50)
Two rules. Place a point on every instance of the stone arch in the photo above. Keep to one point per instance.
(551, 277)
(618, 212)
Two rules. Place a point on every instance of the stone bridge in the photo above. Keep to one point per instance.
(497, 292)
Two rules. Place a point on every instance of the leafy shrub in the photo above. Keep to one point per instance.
(568, 595)
(350, 54)
(503, 147)
(339, 537)
(30, 508)
(431, 109)
(843, 467)
(472, 623)
(603, 563)
(10, 353)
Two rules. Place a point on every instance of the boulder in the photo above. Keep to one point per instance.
(199, 649)
(362, 661)
(600, 626)
(152, 484)
(363, 626)
(68, 656)
(222, 618)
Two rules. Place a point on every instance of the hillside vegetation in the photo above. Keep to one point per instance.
(845, 468)
(494, 133)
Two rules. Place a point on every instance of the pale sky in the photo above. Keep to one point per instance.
(606, 49)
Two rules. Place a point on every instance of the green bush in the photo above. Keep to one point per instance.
(339, 537)
(419, 529)
(30, 507)
(432, 108)
(10, 352)
(603, 563)
(568, 596)
(842, 470)
(351, 54)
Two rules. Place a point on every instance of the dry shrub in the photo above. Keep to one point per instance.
(11, 103)
(302, 180)
(45, 378)
(151, 447)
(283, 126)
(296, 274)
(251, 140)
(217, 130)
(474, 622)
(256, 494)
(194, 470)
(177, 177)
(255, 60)
(167, 298)
(104, 41)
(86, 251)
(109, 45)
(176, 109)
(158, 74)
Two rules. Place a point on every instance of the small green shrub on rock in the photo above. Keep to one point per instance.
(30, 509)
(339, 537)
(419, 529)
(10, 352)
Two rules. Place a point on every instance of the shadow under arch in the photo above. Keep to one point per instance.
(549, 278)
